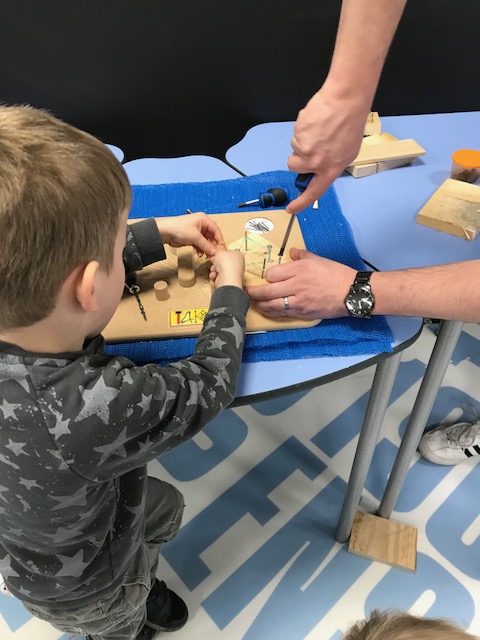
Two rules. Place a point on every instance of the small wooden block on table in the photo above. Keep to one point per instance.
(384, 540)
(382, 152)
(454, 208)
(184, 306)
(373, 126)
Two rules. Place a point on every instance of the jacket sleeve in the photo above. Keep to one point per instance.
(122, 415)
(144, 245)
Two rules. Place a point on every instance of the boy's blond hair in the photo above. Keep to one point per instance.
(61, 195)
(397, 625)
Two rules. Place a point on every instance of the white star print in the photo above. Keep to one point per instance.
(72, 567)
(113, 448)
(78, 499)
(145, 404)
(97, 400)
(9, 409)
(16, 447)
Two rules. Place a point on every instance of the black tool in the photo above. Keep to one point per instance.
(272, 198)
(301, 182)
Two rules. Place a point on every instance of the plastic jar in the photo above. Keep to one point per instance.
(465, 165)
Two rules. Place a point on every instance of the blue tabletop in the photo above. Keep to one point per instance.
(259, 378)
(382, 208)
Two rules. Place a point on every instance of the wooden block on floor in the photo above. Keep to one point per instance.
(454, 208)
(384, 540)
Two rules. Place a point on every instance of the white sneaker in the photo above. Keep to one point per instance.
(451, 444)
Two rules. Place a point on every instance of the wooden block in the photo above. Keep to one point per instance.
(384, 540)
(377, 167)
(182, 314)
(373, 125)
(186, 270)
(454, 208)
(387, 150)
(161, 290)
(370, 169)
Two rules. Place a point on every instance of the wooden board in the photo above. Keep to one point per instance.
(384, 540)
(372, 168)
(182, 313)
(380, 151)
(454, 208)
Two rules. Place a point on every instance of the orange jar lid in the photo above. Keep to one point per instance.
(468, 158)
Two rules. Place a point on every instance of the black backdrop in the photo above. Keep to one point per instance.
(177, 77)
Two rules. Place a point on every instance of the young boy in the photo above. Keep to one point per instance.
(398, 625)
(81, 525)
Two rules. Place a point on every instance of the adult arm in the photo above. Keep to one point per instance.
(316, 288)
(329, 130)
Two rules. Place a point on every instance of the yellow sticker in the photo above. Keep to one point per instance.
(182, 317)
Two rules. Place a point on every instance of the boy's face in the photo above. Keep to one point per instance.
(110, 286)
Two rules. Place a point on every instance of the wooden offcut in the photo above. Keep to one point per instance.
(186, 268)
(128, 323)
(383, 540)
(362, 170)
(454, 208)
(380, 150)
(373, 125)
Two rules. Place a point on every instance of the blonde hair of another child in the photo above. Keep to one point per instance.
(62, 193)
(397, 625)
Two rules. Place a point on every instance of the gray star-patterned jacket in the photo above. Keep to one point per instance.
(76, 432)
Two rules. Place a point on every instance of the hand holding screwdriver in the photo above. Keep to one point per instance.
(301, 182)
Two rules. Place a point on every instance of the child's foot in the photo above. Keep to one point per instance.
(165, 611)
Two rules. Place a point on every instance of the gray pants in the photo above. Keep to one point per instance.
(122, 616)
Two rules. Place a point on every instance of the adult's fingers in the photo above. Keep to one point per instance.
(318, 185)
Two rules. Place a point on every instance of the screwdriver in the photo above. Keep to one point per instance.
(301, 182)
(272, 198)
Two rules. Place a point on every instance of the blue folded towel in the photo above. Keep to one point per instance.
(326, 232)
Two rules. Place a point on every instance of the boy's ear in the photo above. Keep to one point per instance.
(85, 286)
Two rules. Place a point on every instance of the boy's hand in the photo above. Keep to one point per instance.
(227, 267)
(196, 229)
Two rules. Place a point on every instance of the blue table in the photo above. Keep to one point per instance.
(382, 211)
(265, 380)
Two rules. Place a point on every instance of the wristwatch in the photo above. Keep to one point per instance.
(360, 299)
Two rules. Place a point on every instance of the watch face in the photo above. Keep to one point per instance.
(359, 302)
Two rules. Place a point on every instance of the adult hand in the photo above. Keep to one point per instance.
(327, 136)
(196, 230)
(315, 287)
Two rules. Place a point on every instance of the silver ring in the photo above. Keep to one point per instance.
(286, 303)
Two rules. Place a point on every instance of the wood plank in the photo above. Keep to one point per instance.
(454, 208)
(363, 170)
(162, 317)
(387, 150)
(383, 540)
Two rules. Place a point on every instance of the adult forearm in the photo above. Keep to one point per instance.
(449, 292)
(364, 35)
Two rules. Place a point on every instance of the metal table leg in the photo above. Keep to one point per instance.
(439, 360)
(377, 405)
